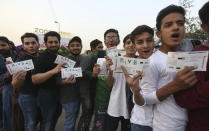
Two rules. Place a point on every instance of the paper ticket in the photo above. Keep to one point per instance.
(132, 65)
(102, 66)
(177, 61)
(112, 52)
(9, 59)
(61, 59)
(22, 65)
(66, 72)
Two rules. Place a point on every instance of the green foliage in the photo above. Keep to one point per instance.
(192, 24)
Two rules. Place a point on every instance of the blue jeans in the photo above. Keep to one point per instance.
(135, 127)
(48, 102)
(7, 107)
(71, 113)
(28, 105)
(99, 118)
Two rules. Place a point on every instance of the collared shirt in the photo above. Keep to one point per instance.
(167, 115)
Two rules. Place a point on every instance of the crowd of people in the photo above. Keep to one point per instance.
(150, 100)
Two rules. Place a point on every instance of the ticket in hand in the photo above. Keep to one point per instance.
(66, 72)
(22, 65)
(112, 52)
(132, 65)
(61, 59)
(102, 65)
(177, 61)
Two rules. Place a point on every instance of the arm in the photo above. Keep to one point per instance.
(42, 77)
(18, 79)
(195, 97)
(110, 78)
(133, 82)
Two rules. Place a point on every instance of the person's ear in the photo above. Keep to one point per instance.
(204, 27)
(158, 33)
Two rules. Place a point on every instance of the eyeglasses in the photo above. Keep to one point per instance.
(111, 37)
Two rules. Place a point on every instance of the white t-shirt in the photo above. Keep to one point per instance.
(117, 104)
(167, 115)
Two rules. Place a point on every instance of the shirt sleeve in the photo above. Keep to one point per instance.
(149, 83)
(195, 97)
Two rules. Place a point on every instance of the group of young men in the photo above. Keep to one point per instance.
(153, 100)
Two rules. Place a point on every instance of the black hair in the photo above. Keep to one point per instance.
(4, 39)
(111, 30)
(29, 35)
(77, 39)
(166, 11)
(126, 38)
(51, 33)
(94, 44)
(204, 13)
(139, 30)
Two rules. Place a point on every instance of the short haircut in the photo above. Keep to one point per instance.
(29, 35)
(5, 39)
(94, 44)
(126, 38)
(204, 13)
(111, 30)
(51, 33)
(166, 11)
(77, 39)
(141, 29)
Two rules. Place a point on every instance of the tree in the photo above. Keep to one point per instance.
(192, 24)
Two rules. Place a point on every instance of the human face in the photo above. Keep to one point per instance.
(99, 47)
(129, 48)
(30, 45)
(111, 39)
(75, 48)
(4, 49)
(53, 44)
(171, 32)
(144, 44)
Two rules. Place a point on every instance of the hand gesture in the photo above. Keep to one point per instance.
(57, 69)
(20, 75)
(185, 78)
(108, 62)
(96, 70)
(133, 82)
(70, 80)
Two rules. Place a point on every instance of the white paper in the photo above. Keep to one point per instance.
(66, 72)
(102, 66)
(22, 65)
(132, 65)
(9, 59)
(61, 59)
(112, 52)
(177, 61)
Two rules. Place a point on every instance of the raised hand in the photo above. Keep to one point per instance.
(96, 70)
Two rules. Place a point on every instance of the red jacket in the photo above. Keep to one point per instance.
(196, 99)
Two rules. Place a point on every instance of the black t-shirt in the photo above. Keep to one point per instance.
(70, 92)
(44, 63)
(28, 87)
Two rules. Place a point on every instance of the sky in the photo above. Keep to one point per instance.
(88, 19)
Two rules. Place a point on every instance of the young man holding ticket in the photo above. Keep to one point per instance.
(69, 91)
(21, 80)
(111, 39)
(196, 99)
(158, 85)
(45, 76)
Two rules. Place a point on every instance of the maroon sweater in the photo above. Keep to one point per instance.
(196, 99)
